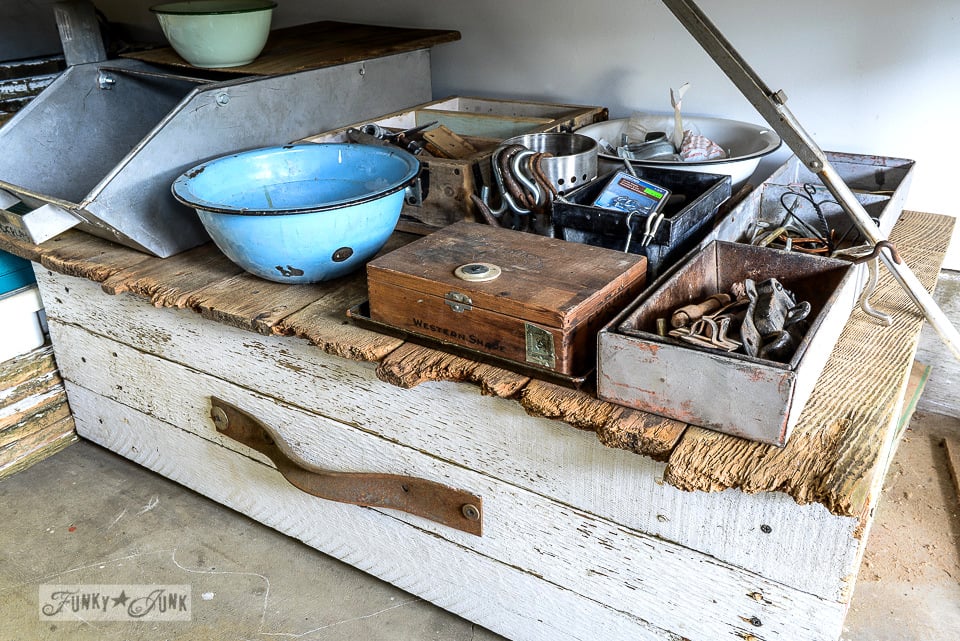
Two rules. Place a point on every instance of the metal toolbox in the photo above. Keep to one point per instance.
(446, 184)
(754, 398)
(880, 183)
(100, 147)
(685, 221)
(522, 298)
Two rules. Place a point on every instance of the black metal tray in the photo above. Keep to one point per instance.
(684, 224)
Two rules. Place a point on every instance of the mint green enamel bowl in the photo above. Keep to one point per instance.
(216, 33)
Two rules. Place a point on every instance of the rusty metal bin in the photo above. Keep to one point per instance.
(734, 393)
(100, 147)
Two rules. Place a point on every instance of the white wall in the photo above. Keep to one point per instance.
(861, 76)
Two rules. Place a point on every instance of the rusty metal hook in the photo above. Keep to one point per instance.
(883, 244)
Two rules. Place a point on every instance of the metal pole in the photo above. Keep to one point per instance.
(772, 106)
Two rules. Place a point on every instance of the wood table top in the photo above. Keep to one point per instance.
(840, 447)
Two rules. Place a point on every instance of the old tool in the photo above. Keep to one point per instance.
(451, 507)
(689, 313)
(773, 324)
(409, 139)
(772, 106)
(709, 331)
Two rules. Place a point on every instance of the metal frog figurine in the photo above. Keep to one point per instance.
(774, 323)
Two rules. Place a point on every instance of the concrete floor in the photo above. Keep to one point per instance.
(88, 517)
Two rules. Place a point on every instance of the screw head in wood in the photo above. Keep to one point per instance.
(220, 419)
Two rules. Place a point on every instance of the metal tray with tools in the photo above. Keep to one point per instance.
(686, 218)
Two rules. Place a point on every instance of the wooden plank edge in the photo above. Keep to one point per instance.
(952, 448)
(18, 456)
(616, 426)
(410, 364)
(20, 368)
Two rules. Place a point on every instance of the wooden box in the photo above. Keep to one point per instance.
(542, 311)
(582, 539)
(746, 396)
(446, 183)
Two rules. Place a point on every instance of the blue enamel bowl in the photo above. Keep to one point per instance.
(300, 213)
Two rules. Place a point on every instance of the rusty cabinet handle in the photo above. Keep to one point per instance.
(445, 505)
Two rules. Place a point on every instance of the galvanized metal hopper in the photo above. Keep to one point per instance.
(99, 148)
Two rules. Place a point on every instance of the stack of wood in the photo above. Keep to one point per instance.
(35, 419)
(22, 80)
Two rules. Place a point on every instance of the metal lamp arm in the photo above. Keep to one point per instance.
(772, 106)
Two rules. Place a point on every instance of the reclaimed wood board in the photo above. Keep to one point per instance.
(35, 418)
(616, 426)
(172, 281)
(316, 45)
(77, 253)
(410, 365)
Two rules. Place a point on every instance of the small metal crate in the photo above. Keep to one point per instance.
(734, 393)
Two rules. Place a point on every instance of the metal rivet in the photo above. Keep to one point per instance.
(766, 529)
(471, 512)
(223, 98)
(105, 80)
(219, 418)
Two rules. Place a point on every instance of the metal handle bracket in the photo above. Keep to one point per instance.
(445, 505)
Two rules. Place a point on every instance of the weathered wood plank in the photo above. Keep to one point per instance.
(942, 396)
(32, 414)
(41, 383)
(319, 44)
(410, 365)
(252, 303)
(20, 369)
(78, 253)
(36, 446)
(616, 426)
(454, 422)
(171, 282)
(12, 242)
(846, 430)
(35, 418)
